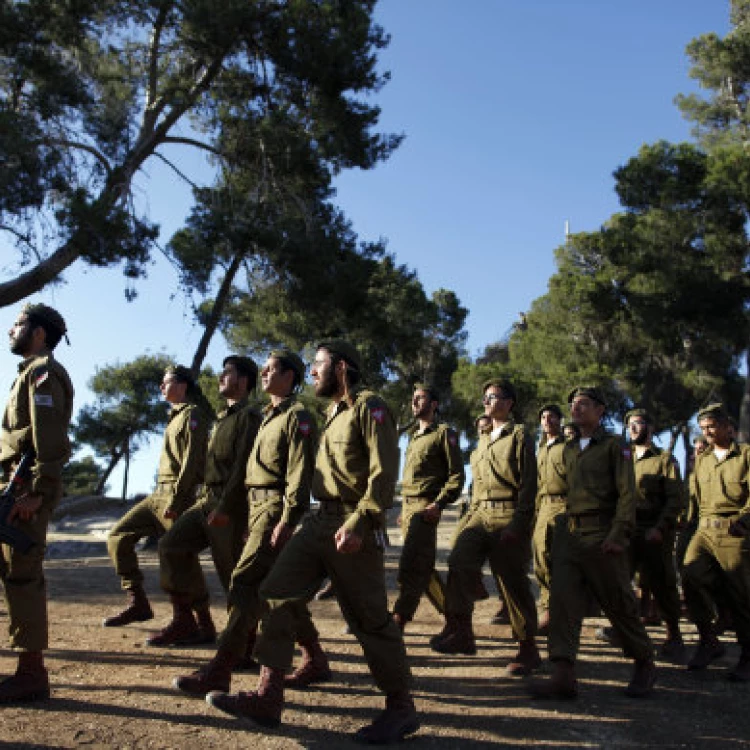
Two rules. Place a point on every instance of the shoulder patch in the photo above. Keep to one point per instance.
(193, 423)
(626, 454)
(378, 412)
(305, 427)
(43, 399)
(40, 375)
(452, 437)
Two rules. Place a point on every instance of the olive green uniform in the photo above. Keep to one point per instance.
(659, 501)
(223, 491)
(550, 503)
(278, 476)
(433, 472)
(37, 416)
(600, 506)
(715, 559)
(505, 484)
(355, 477)
(181, 467)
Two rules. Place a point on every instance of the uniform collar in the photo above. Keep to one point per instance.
(28, 361)
(651, 450)
(506, 429)
(430, 428)
(282, 406)
(235, 407)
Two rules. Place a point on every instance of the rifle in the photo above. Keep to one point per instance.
(10, 534)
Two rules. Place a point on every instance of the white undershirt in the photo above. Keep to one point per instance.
(640, 450)
(584, 443)
(495, 434)
(721, 453)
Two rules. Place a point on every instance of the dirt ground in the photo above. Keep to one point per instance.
(112, 691)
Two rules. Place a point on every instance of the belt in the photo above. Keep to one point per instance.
(554, 499)
(589, 521)
(501, 504)
(331, 507)
(263, 493)
(417, 499)
(716, 522)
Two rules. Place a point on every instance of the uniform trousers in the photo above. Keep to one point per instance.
(715, 562)
(358, 580)
(24, 583)
(581, 567)
(479, 541)
(541, 541)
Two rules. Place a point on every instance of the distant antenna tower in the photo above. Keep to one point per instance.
(567, 230)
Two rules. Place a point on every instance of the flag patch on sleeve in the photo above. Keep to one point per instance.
(43, 399)
(304, 428)
(378, 413)
(40, 376)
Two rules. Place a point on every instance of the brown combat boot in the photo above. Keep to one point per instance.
(709, 648)
(138, 610)
(247, 663)
(216, 675)
(741, 673)
(562, 685)
(397, 721)
(460, 640)
(526, 660)
(182, 630)
(642, 682)
(314, 667)
(263, 705)
(206, 627)
(29, 683)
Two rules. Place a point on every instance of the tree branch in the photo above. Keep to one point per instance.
(83, 147)
(176, 170)
(191, 142)
(153, 55)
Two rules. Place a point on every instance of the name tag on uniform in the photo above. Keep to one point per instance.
(43, 399)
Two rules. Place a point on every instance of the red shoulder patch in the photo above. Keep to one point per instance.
(378, 414)
(305, 427)
(40, 376)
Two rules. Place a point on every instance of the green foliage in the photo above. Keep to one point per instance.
(90, 92)
(83, 477)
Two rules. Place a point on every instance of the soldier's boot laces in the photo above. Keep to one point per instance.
(562, 685)
(247, 663)
(314, 667)
(460, 641)
(216, 675)
(263, 705)
(741, 672)
(526, 660)
(206, 627)
(709, 648)
(642, 682)
(138, 610)
(397, 721)
(29, 683)
(182, 630)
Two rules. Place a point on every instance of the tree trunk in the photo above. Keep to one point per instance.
(113, 461)
(217, 311)
(127, 470)
(743, 433)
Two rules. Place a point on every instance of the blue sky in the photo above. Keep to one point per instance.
(516, 113)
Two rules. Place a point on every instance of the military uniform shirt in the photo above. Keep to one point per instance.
(433, 466)
(723, 487)
(37, 416)
(282, 457)
(357, 460)
(228, 450)
(659, 490)
(601, 480)
(506, 470)
(183, 455)
(551, 469)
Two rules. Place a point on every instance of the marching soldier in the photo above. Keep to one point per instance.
(433, 478)
(499, 530)
(659, 501)
(354, 482)
(589, 552)
(717, 557)
(279, 472)
(550, 502)
(218, 519)
(181, 467)
(35, 421)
